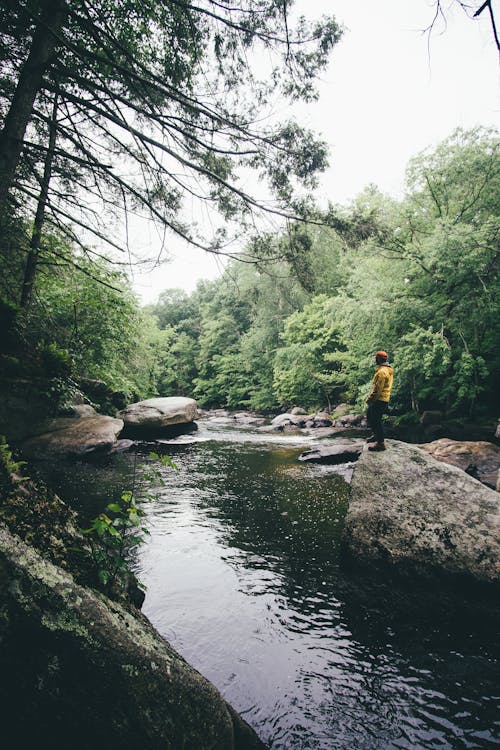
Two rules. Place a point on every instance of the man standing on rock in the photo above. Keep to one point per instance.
(378, 400)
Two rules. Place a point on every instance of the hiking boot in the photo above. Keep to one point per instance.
(377, 447)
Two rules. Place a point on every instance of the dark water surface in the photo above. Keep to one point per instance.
(243, 578)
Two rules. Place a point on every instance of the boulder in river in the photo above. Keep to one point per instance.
(412, 511)
(334, 453)
(478, 458)
(158, 414)
(76, 437)
(83, 671)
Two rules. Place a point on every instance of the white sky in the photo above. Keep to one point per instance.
(388, 94)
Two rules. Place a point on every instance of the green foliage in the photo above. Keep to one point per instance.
(306, 370)
(57, 362)
(114, 534)
(11, 469)
(111, 538)
(419, 278)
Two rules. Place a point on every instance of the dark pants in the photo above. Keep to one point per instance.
(374, 414)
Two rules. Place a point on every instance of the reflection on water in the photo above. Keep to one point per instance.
(243, 578)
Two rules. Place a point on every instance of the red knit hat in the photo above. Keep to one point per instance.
(382, 354)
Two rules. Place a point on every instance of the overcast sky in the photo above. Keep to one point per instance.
(390, 92)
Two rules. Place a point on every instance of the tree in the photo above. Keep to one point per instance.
(156, 102)
(307, 370)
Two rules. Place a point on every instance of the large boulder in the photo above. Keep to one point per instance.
(410, 510)
(82, 671)
(75, 437)
(478, 458)
(157, 414)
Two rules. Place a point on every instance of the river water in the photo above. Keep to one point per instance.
(244, 578)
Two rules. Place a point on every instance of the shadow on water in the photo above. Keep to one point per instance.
(244, 577)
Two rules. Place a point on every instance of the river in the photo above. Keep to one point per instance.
(244, 578)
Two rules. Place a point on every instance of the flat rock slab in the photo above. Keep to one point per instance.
(410, 510)
(158, 413)
(339, 453)
(75, 437)
(477, 457)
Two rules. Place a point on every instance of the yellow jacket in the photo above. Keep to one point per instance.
(382, 384)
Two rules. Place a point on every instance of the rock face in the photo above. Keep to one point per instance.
(410, 510)
(336, 453)
(81, 670)
(156, 414)
(479, 458)
(74, 437)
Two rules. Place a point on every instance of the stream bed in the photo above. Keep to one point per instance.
(244, 578)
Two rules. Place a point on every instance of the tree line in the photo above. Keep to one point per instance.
(419, 277)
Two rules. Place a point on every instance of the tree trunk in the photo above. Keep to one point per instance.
(34, 251)
(43, 45)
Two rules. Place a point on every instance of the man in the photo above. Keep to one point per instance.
(378, 400)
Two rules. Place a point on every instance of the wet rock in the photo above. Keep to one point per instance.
(74, 437)
(298, 420)
(478, 458)
(341, 410)
(337, 453)
(77, 665)
(351, 420)
(155, 414)
(122, 446)
(412, 511)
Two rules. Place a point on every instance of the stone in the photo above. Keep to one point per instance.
(79, 669)
(298, 410)
(478, 458)
(497, 431)
(320, 419)
(409, 510)
(341, 410)
(156, 414)
(74, 437)
(122, 446)
(498, 481)
(281, 419)
(350, 420)
(337, 453)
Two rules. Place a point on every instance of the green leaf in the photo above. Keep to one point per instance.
(104, 576)
(114, 507)
(167, 461)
